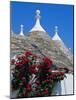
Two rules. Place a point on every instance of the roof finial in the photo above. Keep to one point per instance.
(56, 29)
(38, 14)
(21, 30)
(56, 36)
(69, 49)
(12, 32)
(37, 26)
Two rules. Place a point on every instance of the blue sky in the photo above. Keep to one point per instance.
(51, 15)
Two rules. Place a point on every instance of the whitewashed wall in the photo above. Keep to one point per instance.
(64, 87)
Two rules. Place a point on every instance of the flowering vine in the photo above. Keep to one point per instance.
(33, 75)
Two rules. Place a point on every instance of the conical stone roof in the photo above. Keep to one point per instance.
(60, 44)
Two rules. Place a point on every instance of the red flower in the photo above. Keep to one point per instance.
(52, 76)
(25, 61)
(18, 64)
(33, 70)
(13, 61)
(28, 87)
(33, 66)
(28, 53)
(23, 57)
(62, 73)
(47, 62)
(22, 62)
(46, 81)
(46, 92)
(38, 66)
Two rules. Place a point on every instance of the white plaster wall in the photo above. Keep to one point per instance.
(65, 87)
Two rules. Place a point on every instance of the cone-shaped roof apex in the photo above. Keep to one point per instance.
(37, 26)
(56, 36)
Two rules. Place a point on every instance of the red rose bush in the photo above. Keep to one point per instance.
(32, 76)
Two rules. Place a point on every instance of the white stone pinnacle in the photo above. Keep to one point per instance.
(56, 29)
(21, 30)
(37, 26)
(56, 36)
(12, 32)
(69, 48)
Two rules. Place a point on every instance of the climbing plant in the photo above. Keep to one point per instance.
(33, 76)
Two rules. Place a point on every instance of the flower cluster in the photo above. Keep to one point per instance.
(57, 76)
(33, 76)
